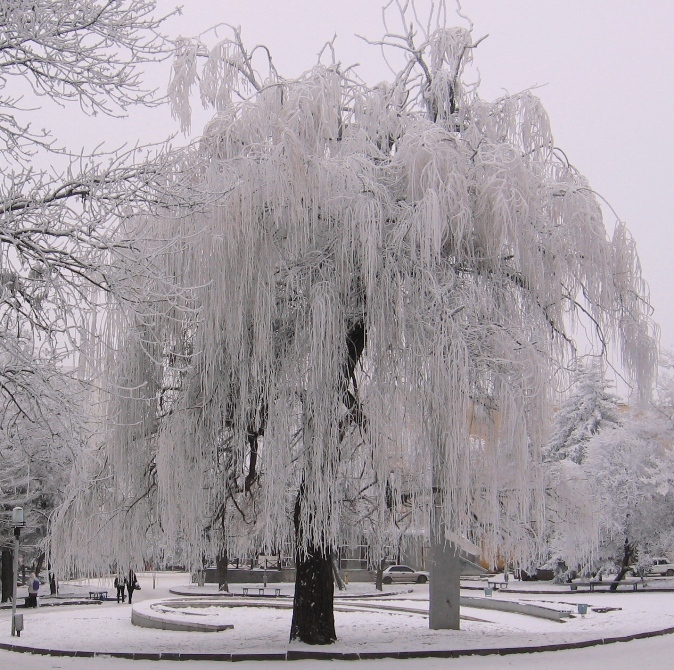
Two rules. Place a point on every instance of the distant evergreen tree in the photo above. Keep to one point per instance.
(609, 477)
(591, 407)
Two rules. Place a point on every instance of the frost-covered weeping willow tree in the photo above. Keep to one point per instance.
(378, 304)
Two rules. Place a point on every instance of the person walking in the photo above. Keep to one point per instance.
(33, 588)
(120, 585)
(132, 584)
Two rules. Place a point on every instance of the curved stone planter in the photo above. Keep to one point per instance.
(174, 615)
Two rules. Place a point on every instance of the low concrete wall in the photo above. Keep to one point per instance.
(247, 576)
(358, 576)
(516, 607)
(256, 576)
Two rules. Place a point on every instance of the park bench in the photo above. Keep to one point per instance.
(497, 583)
(260, 590)
(594, 584)
(98, 595)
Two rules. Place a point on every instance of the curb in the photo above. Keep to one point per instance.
(302, 655)
(583, 590)
(55, 603)
(338, 595)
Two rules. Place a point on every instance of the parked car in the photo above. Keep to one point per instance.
(400, 574)
(662, 566)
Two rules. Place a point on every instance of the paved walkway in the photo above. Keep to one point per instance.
(652, 654)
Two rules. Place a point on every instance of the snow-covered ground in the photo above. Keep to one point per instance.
(393, 625)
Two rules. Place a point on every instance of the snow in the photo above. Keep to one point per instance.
(398, 623)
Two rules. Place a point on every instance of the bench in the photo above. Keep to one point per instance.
(245, 589)
(497, 584)
(98, 595)
(594, 584)
(260, 591)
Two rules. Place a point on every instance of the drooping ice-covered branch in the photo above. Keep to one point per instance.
(447, 228)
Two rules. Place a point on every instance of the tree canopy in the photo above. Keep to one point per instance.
(63, 220)
(374, 306)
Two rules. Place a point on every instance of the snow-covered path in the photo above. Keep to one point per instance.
(107, 628)
(651, 654)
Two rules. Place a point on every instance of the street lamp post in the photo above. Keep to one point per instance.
(17, 523)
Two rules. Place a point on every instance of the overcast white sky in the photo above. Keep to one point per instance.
(604, 71)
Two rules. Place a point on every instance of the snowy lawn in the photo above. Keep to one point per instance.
(265, 629)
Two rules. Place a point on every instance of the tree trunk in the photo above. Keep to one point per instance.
(336, 573)
(6, 573)
(445, 583)
(53, 584)
(313, 615)
(221, 568)
(378, 580)
(39, 564)
(629, 553)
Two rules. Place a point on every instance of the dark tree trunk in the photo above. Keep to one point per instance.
(6, 571)
(379, 577)
(251, 477)
(252, 437)
(629, 554)
(39, 564)
(313, 615)
(221, 568)
(53, 584)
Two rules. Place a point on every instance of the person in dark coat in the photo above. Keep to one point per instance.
(131, 584)
(120, 584)
(33, 588)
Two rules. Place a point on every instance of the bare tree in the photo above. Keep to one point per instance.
(42, 430)
(57, 222)
(67, 224)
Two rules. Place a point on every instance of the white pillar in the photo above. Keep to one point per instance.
(445, 582)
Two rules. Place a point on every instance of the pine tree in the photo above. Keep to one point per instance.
(615, 502)
(590, 407)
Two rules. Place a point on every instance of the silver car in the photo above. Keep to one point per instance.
(402, 574)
